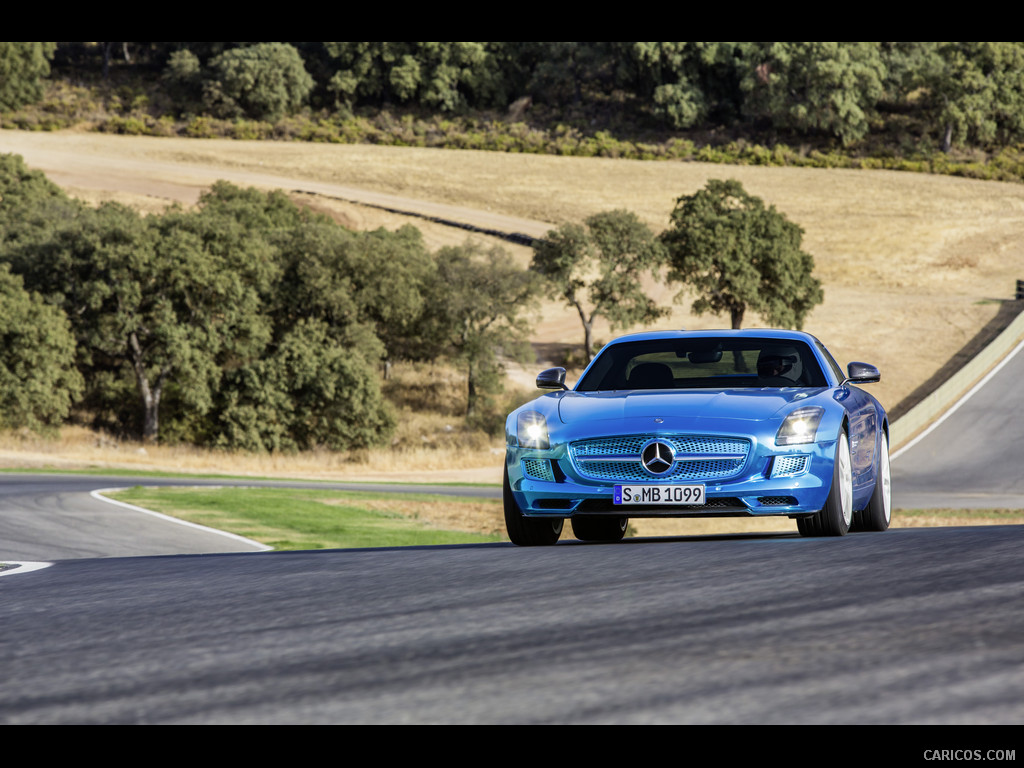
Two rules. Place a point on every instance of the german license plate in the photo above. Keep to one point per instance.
(659, 494)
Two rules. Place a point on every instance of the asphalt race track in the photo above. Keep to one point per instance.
(54, 518)
(973, 458)
(908, 626)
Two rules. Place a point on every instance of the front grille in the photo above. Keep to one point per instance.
(697, 457)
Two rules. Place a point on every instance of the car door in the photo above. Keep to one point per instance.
(863, 429)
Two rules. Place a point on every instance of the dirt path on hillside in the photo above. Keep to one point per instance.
(98, 170)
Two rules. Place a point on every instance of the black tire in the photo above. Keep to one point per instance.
(837, 515)
(878, 514)
(593, 528)
(527, 531)
(807, 525)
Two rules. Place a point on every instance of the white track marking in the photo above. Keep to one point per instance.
(98, 495)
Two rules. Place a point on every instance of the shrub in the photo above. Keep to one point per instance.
(263, 82)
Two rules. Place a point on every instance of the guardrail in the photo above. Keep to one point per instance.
(935, 404)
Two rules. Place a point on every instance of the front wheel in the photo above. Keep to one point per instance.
(527, 531)
(837, 515)
(593, 528)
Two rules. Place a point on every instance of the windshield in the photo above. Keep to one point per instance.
(710, 363)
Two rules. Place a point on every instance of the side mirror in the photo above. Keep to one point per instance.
(552, 378)
(862, 373)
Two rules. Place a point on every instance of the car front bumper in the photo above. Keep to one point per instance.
(549, 483)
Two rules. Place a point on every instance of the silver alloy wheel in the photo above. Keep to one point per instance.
(883, 469)
(845, 479)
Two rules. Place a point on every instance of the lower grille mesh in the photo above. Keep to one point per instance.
(723, 504)
(539, 469)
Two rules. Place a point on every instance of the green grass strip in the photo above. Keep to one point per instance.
(298, 519)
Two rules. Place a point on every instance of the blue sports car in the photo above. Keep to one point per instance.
(699, 424)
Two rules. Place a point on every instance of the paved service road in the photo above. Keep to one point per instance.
(974, 458)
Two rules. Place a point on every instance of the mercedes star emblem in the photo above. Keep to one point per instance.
(657, 457)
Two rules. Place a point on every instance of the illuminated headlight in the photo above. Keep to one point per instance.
(800, 426)
(532, 429)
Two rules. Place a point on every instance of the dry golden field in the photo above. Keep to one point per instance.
(913, 266)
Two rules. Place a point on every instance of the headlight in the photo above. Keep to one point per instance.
(532, 430)
(801, 426)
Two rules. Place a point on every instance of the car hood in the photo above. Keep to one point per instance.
(692, 405)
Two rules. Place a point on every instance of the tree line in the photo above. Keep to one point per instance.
(247, 323)
(945, 94)
(253, 323)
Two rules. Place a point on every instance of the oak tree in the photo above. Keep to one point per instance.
(597, 268)
(739, 254)
(481, 297)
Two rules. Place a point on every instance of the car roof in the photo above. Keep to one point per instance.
(760, 333)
